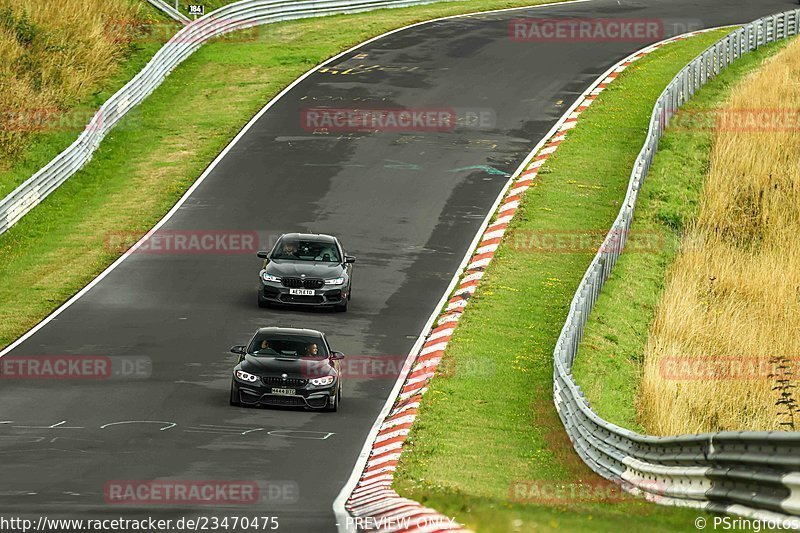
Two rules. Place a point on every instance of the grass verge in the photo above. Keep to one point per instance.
(490, 426)
(39, 124)
(609, 366)
(153, 156)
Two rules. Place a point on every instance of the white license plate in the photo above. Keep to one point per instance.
(284, 392)
(302, 292)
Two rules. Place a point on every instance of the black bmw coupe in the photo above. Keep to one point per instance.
(287, 367)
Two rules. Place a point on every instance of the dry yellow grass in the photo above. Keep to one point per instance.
(732, 299)
(52, 55)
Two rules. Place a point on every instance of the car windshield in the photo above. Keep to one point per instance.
(274, 345)
(300, 250)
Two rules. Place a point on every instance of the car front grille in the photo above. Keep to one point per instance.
(276, 381)
(303, 283)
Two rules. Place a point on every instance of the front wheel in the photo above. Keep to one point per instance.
(342, 307)
(234, 397)
(333, 403)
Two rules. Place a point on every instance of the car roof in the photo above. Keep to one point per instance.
(314, 237)
(290, 331)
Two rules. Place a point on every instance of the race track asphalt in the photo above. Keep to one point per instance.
(407, 204)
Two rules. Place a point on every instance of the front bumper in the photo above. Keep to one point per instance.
(275, 293)
(256, 394)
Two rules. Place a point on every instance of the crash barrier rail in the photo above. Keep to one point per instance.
(751, 474)
(170, 11)
(232, 17)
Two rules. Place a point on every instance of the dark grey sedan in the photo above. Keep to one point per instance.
(306, 269)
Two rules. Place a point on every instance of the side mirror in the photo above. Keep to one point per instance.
(337, 356)
(263, 255)
(349, 259)
(238, 349)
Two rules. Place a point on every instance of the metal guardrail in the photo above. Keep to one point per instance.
(750, 474)
(173, 13)
(237, 16)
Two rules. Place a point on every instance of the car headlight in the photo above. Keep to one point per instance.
(321, 382)
(269, 277)
(246, 376)
(334, 281)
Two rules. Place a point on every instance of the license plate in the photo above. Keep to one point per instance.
(284, 392)
(302, 292)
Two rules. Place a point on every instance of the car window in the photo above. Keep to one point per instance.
(273, 345)
(303, 250)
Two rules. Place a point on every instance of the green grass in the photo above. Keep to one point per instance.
(152, 157)
(481, 430)
(609, 364)
(44, 146)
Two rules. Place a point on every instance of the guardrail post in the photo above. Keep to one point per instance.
(739, 44)
(685, 95)
(657, 120)
(725, 51)
(676, 97)
(715, 60)
(773, 25)
(704, 69)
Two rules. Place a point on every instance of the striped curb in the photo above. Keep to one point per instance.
(373, 502)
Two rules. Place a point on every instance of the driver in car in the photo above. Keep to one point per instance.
(289, 248)
(312, 350)
(265, 347)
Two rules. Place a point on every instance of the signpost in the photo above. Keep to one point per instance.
(197, 10)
